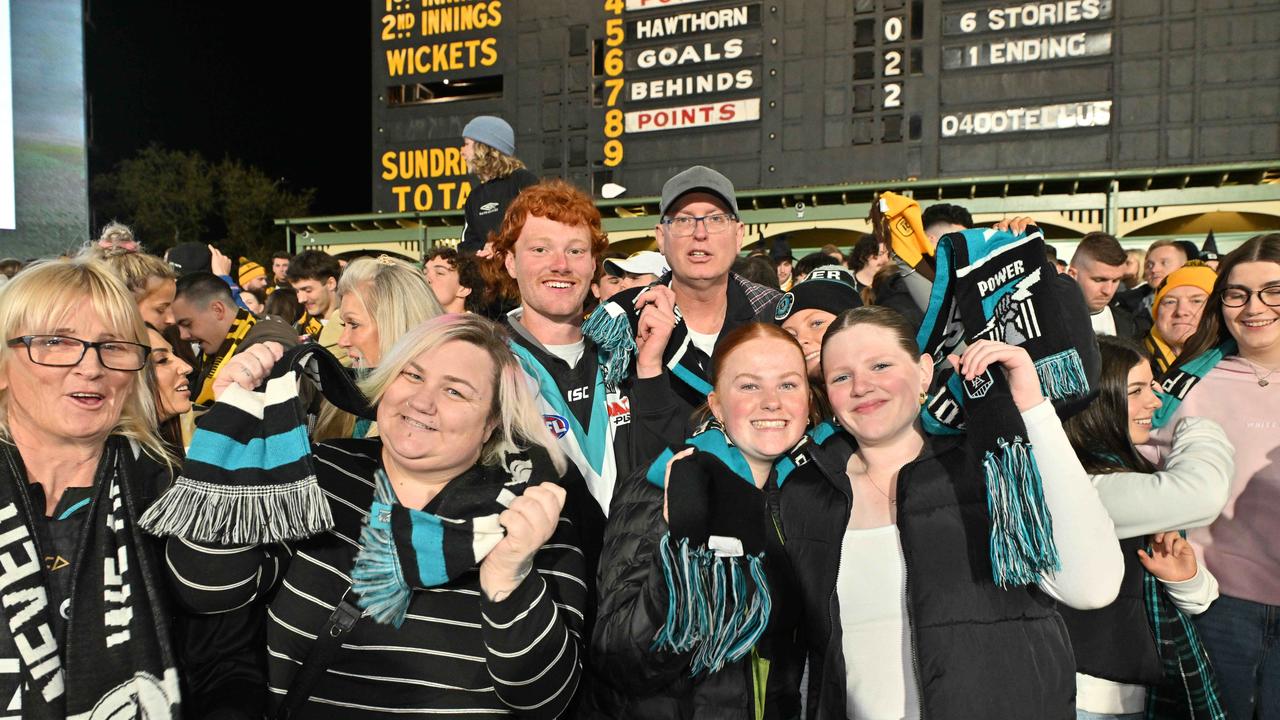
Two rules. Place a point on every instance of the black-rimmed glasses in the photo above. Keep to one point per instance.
(1239, 297)
(63, 351)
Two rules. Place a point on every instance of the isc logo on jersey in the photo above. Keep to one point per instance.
(619, 410)
(557, 425)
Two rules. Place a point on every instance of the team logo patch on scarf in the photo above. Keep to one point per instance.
(995, 285)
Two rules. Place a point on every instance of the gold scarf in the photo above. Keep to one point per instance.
(243, 323)
(310, 326)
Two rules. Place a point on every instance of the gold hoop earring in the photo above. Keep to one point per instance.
(923, 397)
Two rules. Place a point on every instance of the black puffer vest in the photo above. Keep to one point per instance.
(980, 652)
(1115, 642)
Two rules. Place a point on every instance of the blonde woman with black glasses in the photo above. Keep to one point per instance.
(85, 628)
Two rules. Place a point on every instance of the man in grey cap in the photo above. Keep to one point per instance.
(663, 335)
(489, 146)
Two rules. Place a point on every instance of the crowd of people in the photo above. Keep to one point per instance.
(933, 478)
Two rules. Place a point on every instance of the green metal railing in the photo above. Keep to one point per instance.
(1109, 193)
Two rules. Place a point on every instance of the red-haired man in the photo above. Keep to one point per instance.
(551, 243)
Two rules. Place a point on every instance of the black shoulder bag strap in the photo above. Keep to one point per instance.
(326, 647)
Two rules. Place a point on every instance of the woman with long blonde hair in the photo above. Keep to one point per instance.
(379, 300)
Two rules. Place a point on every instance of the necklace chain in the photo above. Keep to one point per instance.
(866, 473)
(1263, 380)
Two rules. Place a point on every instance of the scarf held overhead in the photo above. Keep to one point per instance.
(999, 286)
(116, 659)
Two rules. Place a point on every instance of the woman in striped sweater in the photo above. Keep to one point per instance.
(482, 620)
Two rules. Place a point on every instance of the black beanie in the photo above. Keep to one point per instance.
(830, 288)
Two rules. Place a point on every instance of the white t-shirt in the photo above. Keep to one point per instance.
(1104, 323)
(706, 342)
(871, 589)
(570, 353)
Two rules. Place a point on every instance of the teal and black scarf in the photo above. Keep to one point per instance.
(995, 285)
(1188, 689)
(402, 548)
(1182, 378)
(718, 597)
(249, 478)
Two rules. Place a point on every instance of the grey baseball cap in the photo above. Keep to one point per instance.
(698, 179)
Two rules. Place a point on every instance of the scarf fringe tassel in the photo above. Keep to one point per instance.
(1022, 546)
(377, 580)
(1062, 375)
(717, 607)
(612, 334)
(222, 515)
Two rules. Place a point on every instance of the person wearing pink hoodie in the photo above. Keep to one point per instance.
(1229, 371)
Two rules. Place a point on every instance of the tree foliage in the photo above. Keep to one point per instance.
(174, 196)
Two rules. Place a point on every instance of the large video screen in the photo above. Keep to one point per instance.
(44, 199)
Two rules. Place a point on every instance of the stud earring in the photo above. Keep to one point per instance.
(923, 397)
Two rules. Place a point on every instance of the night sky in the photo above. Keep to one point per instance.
(282, 85)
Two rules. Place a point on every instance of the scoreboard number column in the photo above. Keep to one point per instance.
(892, 32)
(614, 35)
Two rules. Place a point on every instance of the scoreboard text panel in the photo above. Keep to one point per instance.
(785, 93)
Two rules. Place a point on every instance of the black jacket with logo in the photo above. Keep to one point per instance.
(631, 455)
(487, 205)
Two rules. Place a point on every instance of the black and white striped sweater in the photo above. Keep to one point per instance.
(457, 653)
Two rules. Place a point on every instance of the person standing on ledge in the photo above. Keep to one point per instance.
(489, 147)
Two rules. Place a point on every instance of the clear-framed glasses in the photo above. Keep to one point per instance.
(684, 225)
(63, 351)
(1239, 297)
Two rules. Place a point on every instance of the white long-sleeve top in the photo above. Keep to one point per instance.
(1189, 492)
(1097, 695)
(1083, 532)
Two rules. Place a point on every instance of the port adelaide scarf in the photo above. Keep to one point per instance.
(403, 549)
(999, 286)
(249, 478)
(613, 325)
(718, 596)
(116, 659)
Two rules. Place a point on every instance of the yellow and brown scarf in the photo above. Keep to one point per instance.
(243, 323)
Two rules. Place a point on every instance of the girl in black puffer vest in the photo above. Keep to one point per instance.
(888, 532)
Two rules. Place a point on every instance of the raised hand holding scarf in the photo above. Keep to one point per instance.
(403, 549)
(999, 286)
(249, 477)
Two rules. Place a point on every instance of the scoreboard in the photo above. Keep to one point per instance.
(793, 93)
